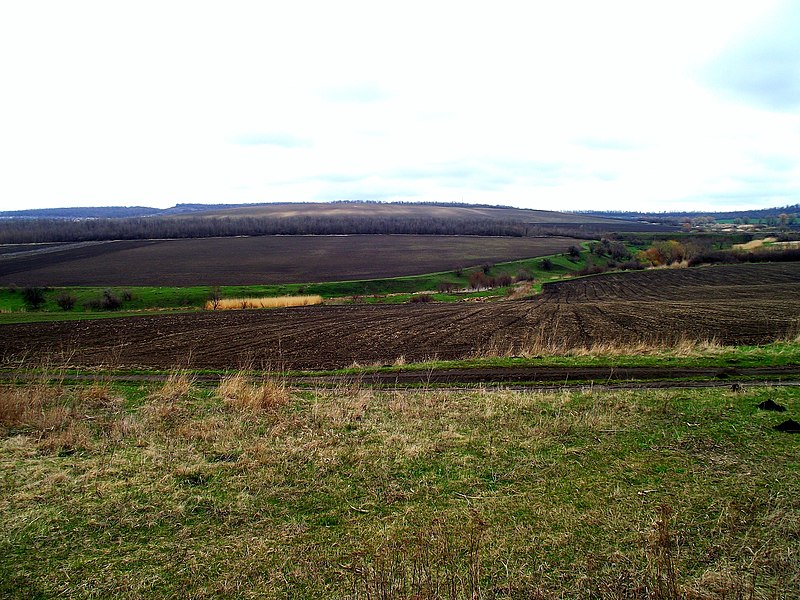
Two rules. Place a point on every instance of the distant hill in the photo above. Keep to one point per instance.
(317, 209)
(337, 218)
(760, 213)
(97, 212)
(396, 210)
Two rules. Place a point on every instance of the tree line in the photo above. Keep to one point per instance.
(19, 231)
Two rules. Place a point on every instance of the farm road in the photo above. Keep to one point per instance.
(514, 377)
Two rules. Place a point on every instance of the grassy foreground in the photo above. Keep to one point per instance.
(242, 490)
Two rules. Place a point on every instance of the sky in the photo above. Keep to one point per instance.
(568, 105)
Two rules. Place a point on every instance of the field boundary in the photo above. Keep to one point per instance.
(508, 377)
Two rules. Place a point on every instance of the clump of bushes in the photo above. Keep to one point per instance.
(108, 301)
(421, 298)
(66, 301)
(479, 280)
(33, 297)
(734, 256)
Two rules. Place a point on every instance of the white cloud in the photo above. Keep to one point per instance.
(763, 67)
(567, 105)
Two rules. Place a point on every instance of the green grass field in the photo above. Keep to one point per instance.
(135, 300)
(185, 490)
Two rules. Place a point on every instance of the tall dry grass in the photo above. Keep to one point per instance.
(56, 416)
(553, 345)
(279, 302)
(267, 394)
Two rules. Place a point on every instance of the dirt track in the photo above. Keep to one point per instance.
(743, 304)
(513, 378)
(561, 377)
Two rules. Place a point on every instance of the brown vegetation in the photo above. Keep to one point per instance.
(268, 394)
(246, 303)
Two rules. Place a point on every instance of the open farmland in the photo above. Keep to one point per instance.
(741, 304)
(258, 260)
(380, 210)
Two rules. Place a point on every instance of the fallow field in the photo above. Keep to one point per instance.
(741, 304)
(259, 260)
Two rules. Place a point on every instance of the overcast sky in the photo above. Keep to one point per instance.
(552, 105)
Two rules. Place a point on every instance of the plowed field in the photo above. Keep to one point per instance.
(259, 260)
(731, 304)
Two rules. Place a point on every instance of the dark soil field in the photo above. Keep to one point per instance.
(260, 260)
(742, 304)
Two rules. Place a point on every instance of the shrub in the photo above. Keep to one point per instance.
(591, 269)
(618, 251)
(33, 297)
(574, 251)
(503, 280)
(524, 275)
(421, 298)
(547, 264)
(665, 253)
(631, 265)
(478, 280)
(214, 298)
(446, 287)
(110, 301)
(66, 301)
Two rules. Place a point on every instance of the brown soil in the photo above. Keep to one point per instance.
(260, 260)
(742, 304)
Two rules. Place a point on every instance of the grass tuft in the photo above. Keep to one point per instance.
(239, 392)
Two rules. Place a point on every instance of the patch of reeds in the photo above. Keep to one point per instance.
(275, 302)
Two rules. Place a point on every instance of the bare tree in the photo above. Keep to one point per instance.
(214, 297)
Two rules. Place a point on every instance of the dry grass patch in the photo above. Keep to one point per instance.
(177, 385)
(269, 393)
(60, 419)
(753, 244)
(249, 303)
(167, 405)
(549, 343)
